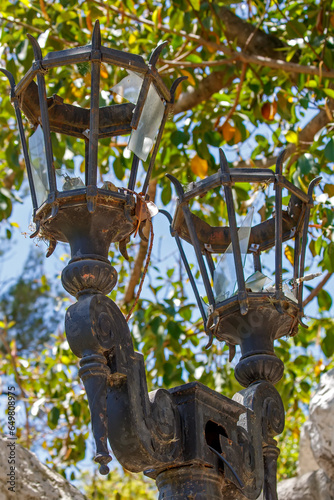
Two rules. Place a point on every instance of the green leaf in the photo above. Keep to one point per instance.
(292, 137)
(328, 261)
(327, 344)
(324, 300)
(329, 92)
(170, 272)
(76, 409)
(53, 417)
(196, 4)
(329, 189)
(329, 150)
(313, 84)
(166, 194)
(179, 137)
(119, 168)
(213, 138)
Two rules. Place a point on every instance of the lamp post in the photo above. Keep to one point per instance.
(194, 442)
(241, 311)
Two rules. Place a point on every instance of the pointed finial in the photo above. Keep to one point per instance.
(223, 161)
(279, 162)
(175, 84)
(156, 53)
(177, 185)
(96, 37)
(11, 81)
(36, 48)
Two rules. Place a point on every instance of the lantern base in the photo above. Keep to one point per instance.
(87, 231)
(267, 319)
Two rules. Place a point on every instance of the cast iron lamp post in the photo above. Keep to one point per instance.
(195, 442)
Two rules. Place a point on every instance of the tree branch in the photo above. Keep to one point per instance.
(140, 257)
(250, 37)
(204, 90)
(317, 289)
(239, 88)
(262, 163)
(30, 28)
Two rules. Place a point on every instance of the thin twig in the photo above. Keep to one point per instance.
(37, 30)
(256, 29)
(317, 289)
(288, 67)
(239, 87)
(148, 258)
(178, 58)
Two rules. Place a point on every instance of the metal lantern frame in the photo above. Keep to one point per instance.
(207, 240)
(88, 124)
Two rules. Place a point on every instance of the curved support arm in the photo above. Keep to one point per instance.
(114, 376)
(148, 424)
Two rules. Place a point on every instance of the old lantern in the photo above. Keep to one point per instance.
(242, 310)
(84, 207)
(80, 206)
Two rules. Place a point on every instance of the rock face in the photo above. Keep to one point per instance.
(306, 460)
(311, 486)
(33, 480)
(315, 480)
(321, 429)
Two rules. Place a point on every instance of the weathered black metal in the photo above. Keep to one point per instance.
(250, 319)
(195, 442)
(282, 227)
(90, 125)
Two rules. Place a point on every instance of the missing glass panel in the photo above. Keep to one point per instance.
(225, 276)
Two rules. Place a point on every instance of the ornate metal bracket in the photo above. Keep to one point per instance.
(187, 435)
(144, 429)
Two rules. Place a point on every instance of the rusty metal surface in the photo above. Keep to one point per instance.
(72, 120)
(90, 125)
(195, 442)
(75, 225)
(218, 238)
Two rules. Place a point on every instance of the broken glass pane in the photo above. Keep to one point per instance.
(288, 292)
(39, 166)
(141, 140)
(285, 289)
(225, 276)
(129, 87)
(257, 281)
(71, 183)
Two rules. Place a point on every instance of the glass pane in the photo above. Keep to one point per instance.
(38, 163)
(257, 281)
(288, 292)
(141, 140)
(224, 276)
(70, 183)
(129, 87)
